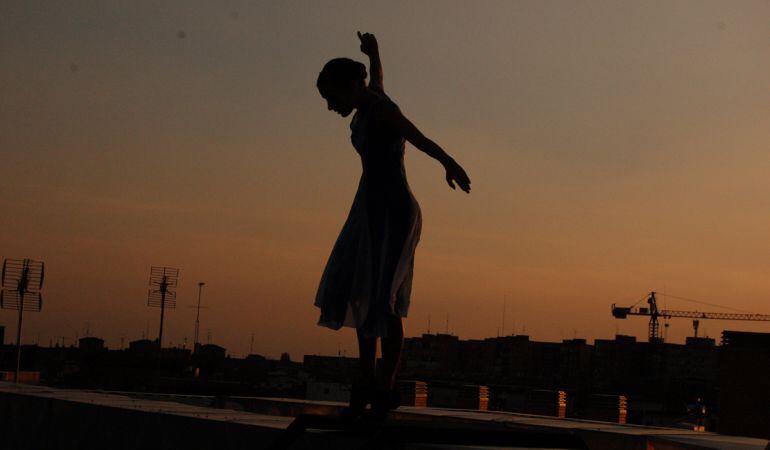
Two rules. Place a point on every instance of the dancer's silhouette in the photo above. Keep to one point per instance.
(368, 279)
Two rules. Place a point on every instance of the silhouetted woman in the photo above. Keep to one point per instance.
(368, 279)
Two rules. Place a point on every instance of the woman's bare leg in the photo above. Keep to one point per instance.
(362, 387)
(367, 357)
(391, 353)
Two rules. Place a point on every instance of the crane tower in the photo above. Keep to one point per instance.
(653, 330)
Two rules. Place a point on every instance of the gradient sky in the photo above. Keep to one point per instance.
(615, 147)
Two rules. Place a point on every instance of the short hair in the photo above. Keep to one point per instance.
(339, 72)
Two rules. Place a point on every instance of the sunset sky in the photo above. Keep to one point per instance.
(614, 148)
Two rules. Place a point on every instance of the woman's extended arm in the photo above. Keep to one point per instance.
(369, 47)
(394, 120)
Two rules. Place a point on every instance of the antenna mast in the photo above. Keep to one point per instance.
(196, 340)
(159, 295)
(22, 280)
(503, 327)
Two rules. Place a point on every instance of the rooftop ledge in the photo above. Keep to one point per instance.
(38, 417)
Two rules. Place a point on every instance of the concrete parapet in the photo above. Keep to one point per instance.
(36, 418)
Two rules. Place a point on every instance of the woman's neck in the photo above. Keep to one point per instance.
(367, 98)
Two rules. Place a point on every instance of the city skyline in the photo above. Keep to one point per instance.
(431, 328)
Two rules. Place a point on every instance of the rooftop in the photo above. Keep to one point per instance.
(40, 416)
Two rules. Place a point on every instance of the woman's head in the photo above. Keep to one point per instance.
(340, 83)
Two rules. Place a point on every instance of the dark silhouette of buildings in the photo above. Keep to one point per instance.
(91, 344)
(210, 351)
(654, 381)
(744, 384)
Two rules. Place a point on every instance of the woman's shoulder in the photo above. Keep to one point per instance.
(383, 105)
(387, 101)
(381, 112)
(376, 109)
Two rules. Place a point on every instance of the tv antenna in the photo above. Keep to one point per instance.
(159, 295)
(22, 280)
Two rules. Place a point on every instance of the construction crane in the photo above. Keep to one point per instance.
(653, 312)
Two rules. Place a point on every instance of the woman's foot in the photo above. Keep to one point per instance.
(383, 402)
(360, 396)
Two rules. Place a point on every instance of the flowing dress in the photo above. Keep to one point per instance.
(368, 276)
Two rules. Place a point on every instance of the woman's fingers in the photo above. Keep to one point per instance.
(366, 38)
(456, 174)
(463, 185)
(463, 180)
(368, 43)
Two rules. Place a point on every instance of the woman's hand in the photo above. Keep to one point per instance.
(368, 44)
(456, 174)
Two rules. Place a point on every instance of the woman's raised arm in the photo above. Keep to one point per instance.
(369, 47)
